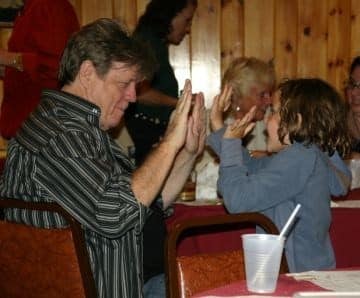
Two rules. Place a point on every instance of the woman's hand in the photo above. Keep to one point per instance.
(258, 153)
(220, 105)
(241, 127)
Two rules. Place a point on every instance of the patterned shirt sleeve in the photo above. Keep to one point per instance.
(77, 171)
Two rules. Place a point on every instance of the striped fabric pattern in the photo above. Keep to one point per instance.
(62, 155)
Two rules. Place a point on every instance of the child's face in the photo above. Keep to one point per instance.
(272, 121)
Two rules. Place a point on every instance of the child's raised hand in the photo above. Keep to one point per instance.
(220, 105)
(241, 127)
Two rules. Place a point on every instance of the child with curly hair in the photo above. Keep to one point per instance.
(307, 130)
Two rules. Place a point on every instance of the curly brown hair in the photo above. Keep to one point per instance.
(323, 115)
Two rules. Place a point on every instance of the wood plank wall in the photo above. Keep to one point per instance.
(316, 38)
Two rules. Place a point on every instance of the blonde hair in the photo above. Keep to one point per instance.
(243, 73)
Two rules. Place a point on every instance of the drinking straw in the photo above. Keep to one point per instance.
(289, 221)
(282, 233)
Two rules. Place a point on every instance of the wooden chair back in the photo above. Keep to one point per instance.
(189, 275)
(38, 262)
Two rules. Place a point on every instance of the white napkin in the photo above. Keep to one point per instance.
(206, 179)
(354, 166)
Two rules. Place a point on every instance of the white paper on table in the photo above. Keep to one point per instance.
(206, 181)
(244, 296)
(354, 167)
(326, 294)
(346, 204)
(332, 280)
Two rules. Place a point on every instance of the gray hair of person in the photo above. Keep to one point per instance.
(103, 42)
(245, 72)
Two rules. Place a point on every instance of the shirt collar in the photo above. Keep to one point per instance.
(77, 105)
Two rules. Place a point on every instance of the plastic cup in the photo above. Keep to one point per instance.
(262, 254)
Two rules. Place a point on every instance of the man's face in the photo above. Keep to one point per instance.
(113, 92)
(181, 25)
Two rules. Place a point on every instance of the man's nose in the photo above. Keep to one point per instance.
(131, 92)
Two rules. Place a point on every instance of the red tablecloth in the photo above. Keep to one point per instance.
(286, 287)
(351, 195)
(344, 231)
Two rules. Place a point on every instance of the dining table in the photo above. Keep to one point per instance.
(346, 281)
(286, 287)
(344, 229)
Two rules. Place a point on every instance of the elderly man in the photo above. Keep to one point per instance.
(63, 153)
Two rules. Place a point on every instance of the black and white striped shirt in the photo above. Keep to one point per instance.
(61, 154)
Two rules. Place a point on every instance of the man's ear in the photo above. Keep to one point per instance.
(86, 73)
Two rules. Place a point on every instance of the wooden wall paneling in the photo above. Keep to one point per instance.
(232, 31)
(205, 49)
(355, 30)
(180, 56)
(286, 21)
(126, 12)
(259, 28)
(180, 61)
(140, 7)
(338, 42)
(4, 37)
(312, 38)
(94, 9)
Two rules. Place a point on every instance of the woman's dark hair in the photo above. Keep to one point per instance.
(355, 63)
(323, 115)
(103, 42)
(159, 14)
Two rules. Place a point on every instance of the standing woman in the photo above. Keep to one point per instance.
(30, 64)
(163, 23)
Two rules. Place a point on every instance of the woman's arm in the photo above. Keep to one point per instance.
(150, 177)
(11, 59)
(50, 26)
(151, 96)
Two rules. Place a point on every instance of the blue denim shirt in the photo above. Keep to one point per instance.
(275, 185)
